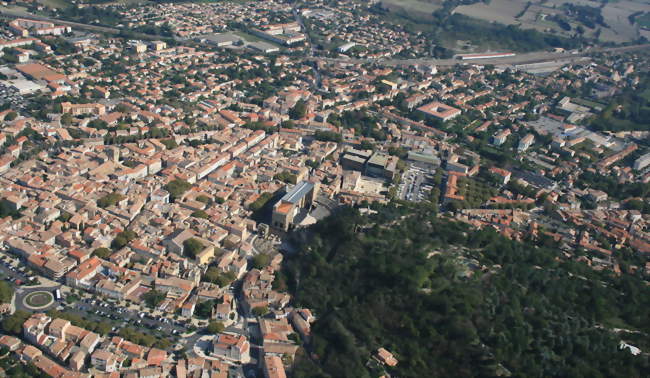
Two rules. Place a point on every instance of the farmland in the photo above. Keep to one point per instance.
(419, 7)
(564, 18)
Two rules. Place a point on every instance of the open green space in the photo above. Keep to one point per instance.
(451, 301)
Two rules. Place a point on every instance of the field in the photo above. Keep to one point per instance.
(422, 7)
(501, 11)
(539, 15)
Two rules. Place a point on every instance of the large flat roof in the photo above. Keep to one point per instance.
(298, 192)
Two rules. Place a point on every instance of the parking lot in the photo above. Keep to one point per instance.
(14, 271)
(416, 184)
(124, 317)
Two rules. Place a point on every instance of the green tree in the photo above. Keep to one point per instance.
(299, 110)
(153, 298)
(261, 261)
(66, 119)
(11, 116)
(200, 214)
(6, 292)
(13, 324)
(191, 247)
(215, 327)
(260, 311)
(102, 252)
(177, 188)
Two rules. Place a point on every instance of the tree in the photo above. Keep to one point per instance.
(214, 275)
(153, 298)
(13, 324)
(203, 198)
(169, 143)
(102, 252)
(191, 247)
(122, 239)
(286, 177)
(261, 260)
(6, 292)
(299, 110)
(11, 116)
(215, 327)
(177, 188)
(260, 311)
(110, 200)
(66, 119)
(200, 214)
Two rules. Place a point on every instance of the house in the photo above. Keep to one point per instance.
(231, 346)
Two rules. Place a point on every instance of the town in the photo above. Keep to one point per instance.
(148, 187)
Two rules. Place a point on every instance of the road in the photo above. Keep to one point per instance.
(526, 58)
(317, 75)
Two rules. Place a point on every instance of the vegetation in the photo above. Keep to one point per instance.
(612, 187)
(110, 200)
(13, 324)
(191, 247)
(177, 188)
(261, 261)
(153, 298)
(215, 327)
(286, 177)
(530, 312)
(214, 275)
(169, 143)
(260, 310)
(6, 210)
(122, 239)
(200, 214)
(102, 253)
(628, 111)
(145, 339)
(261, 201)
(6, 292)
(102, 328)
(203, 310)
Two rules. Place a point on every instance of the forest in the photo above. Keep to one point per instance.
(451, 301)
(629, 110)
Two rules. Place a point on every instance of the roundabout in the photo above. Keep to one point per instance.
(38, 300)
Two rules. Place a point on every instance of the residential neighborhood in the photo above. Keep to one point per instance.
(150, 188)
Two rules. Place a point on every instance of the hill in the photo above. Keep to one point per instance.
(448, 300)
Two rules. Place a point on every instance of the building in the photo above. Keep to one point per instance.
(273, 367)
(345, 47)
(232, 347)
(525, 142)
(23, 27)
(300, 196)
(371, 164)
(501, 137)
(642, 162)
(439, 111)
(79, 109)
(485, 56)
